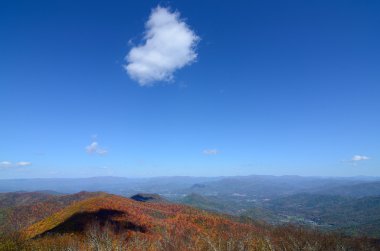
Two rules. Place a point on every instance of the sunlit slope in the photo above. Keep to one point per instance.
(19, 210)
(132, 217)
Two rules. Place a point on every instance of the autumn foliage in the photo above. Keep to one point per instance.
(110, 222)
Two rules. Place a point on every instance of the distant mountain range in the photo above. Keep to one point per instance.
(259, 186)
(115, 185)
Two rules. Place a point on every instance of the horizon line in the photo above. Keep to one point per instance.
(189, 176)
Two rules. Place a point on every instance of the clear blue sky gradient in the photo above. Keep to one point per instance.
(279, 87)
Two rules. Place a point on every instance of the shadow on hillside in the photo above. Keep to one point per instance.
(81, 222)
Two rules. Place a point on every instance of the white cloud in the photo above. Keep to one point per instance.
(168, 45)
(359, 158)
(23, 163)
(356, 159)
(94, 148)
(210, 151)
(8, 164)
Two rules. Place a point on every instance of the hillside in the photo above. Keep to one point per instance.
(18, 210)
(22, 198)
(127, 212)
(111, 222)
(134, 219)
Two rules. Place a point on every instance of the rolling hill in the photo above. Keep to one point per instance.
(20, 209)
(109, 222)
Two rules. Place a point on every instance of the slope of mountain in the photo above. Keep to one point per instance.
(338, 204)
(111, 222)
(21, 209)
(22, 198)
(134, 219)
(126, 212)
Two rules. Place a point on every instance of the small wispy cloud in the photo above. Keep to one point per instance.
(23, 163)
(95, 148)
(168, 45)
(210, 151)
(356, 159)
(359, 158)
(8, 164)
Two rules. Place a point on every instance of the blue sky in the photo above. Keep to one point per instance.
(257, 87)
